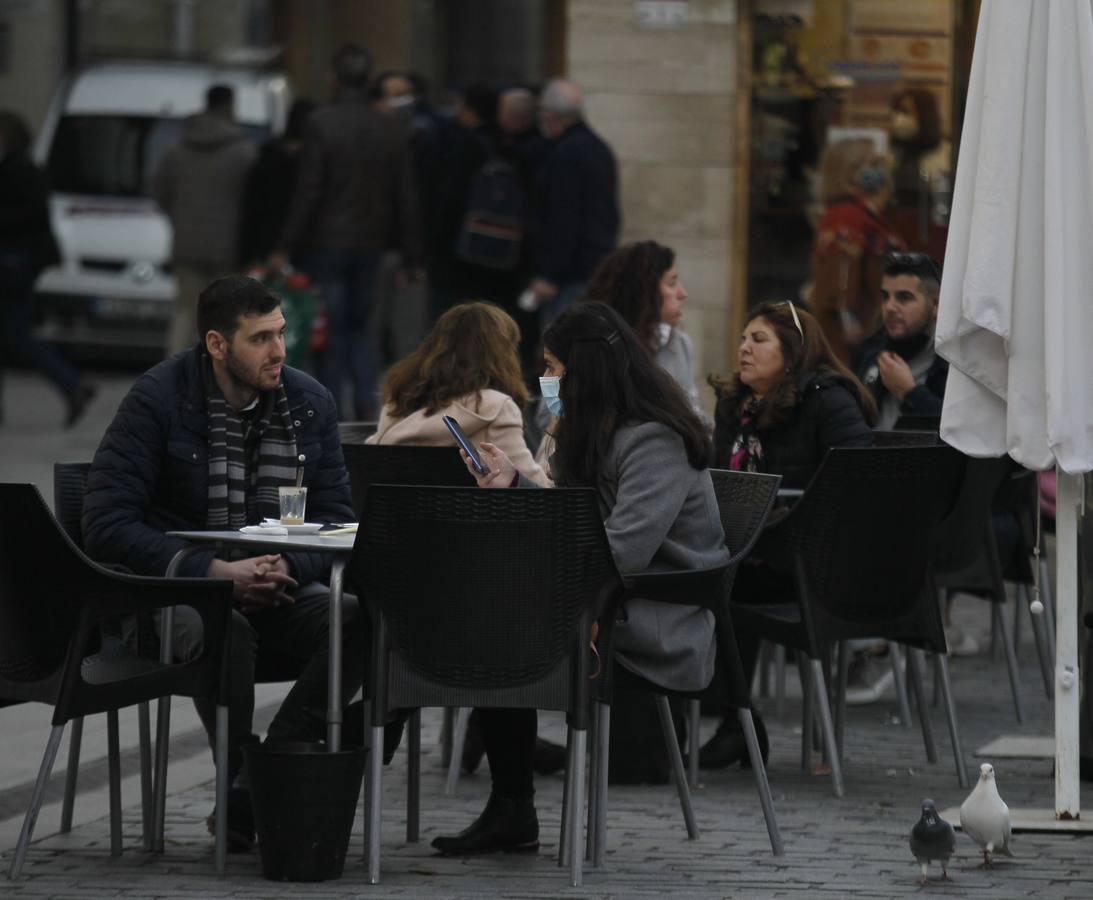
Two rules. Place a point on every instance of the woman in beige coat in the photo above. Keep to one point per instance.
(467, 368)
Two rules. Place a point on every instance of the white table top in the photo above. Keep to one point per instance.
(338, 543)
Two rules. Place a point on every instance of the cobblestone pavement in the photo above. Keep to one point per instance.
(855, 847)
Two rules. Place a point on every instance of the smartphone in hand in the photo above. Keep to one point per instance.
(465, 442)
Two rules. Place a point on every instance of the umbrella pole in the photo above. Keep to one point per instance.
(1068, 498)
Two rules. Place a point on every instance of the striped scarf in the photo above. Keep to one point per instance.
(247, 462)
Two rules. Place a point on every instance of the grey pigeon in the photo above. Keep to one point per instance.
(985, 818)
(932, 838)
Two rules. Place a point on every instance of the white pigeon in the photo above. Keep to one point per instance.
(985, 818)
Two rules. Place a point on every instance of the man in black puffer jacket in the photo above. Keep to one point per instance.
(203, 440)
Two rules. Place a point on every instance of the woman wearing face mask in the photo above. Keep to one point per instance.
(642, 283)
(852, 239)
(790, 401)
(626, 429)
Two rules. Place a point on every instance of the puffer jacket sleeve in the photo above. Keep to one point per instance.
(120, 485)
(840, 420)
(328, 495)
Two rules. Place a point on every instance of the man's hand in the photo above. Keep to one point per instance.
(260, 581)
(896, 374)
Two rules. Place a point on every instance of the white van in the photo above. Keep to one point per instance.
(107, 128)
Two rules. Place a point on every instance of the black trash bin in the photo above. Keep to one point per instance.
(304, 800)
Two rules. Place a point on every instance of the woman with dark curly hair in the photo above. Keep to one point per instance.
(790, 400)
(641, 281)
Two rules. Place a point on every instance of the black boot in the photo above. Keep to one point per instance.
(354, 731)
(507, 825)
(728, 746)
(77, 401)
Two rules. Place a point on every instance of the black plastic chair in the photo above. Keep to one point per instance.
(857, 548)
(69, 488)
(744, 500)
(402, 464)
(54, 605)
(906, 438)
(481, 598)
(966, 559)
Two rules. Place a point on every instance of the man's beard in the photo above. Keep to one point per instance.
(240, 377)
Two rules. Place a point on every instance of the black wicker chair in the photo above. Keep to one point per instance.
(402, 464)
(69, 487)
(481, 598)
(853, 578)
(54, 605)
(745, 500)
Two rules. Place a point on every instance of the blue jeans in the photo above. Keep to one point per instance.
(348, 281)
(568, 294)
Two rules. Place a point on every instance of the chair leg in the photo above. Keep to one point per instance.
(372, 829)
(996, 628)
(576, 812)
(564, 847)
(603, 738)
(764, 669)
(459, 738)
(1017, 625)
(804, 670)
(914, 666)
(694, 726)
(71, 774)
(840, 694)
(159, 773)
(747, 723)
(1038, 623)
(144, 727)
(895, 657)
(31, 818)
(113, 765)
(222, 784)
(447, 726)
(413, 779)
(367, 713)
(1011, 663)
(593, 790)
(779, 680)
(671, 743)
(819, 689)
(950, 713)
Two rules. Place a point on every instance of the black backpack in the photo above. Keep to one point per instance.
(493, 226)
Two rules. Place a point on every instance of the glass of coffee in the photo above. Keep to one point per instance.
(293, 502)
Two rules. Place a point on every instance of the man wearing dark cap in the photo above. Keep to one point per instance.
(203, 441)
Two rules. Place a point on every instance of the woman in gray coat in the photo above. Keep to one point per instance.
(626, 429)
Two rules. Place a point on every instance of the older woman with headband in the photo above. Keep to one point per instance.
(626, 429)
(790, 401)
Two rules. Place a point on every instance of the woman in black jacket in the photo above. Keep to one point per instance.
(789, 402)
(27, 246)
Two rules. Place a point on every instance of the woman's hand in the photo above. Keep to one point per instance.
(500, 471)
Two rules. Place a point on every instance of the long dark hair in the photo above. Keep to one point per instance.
(807, 356)
(628, 280)
(610, 381)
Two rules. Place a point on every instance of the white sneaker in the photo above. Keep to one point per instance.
(871, 693)
(959, 642)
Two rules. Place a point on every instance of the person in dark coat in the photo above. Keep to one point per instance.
(898, 363)
(577, 208)
(270, 187)
(27, 246)
(355, 198)
(202, 441)
(790, 401)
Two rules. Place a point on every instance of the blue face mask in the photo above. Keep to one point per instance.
(550, 387)
(871, 179)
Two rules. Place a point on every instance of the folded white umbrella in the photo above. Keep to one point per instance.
(1016, 312)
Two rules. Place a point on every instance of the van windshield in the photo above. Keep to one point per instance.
(114, 155)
